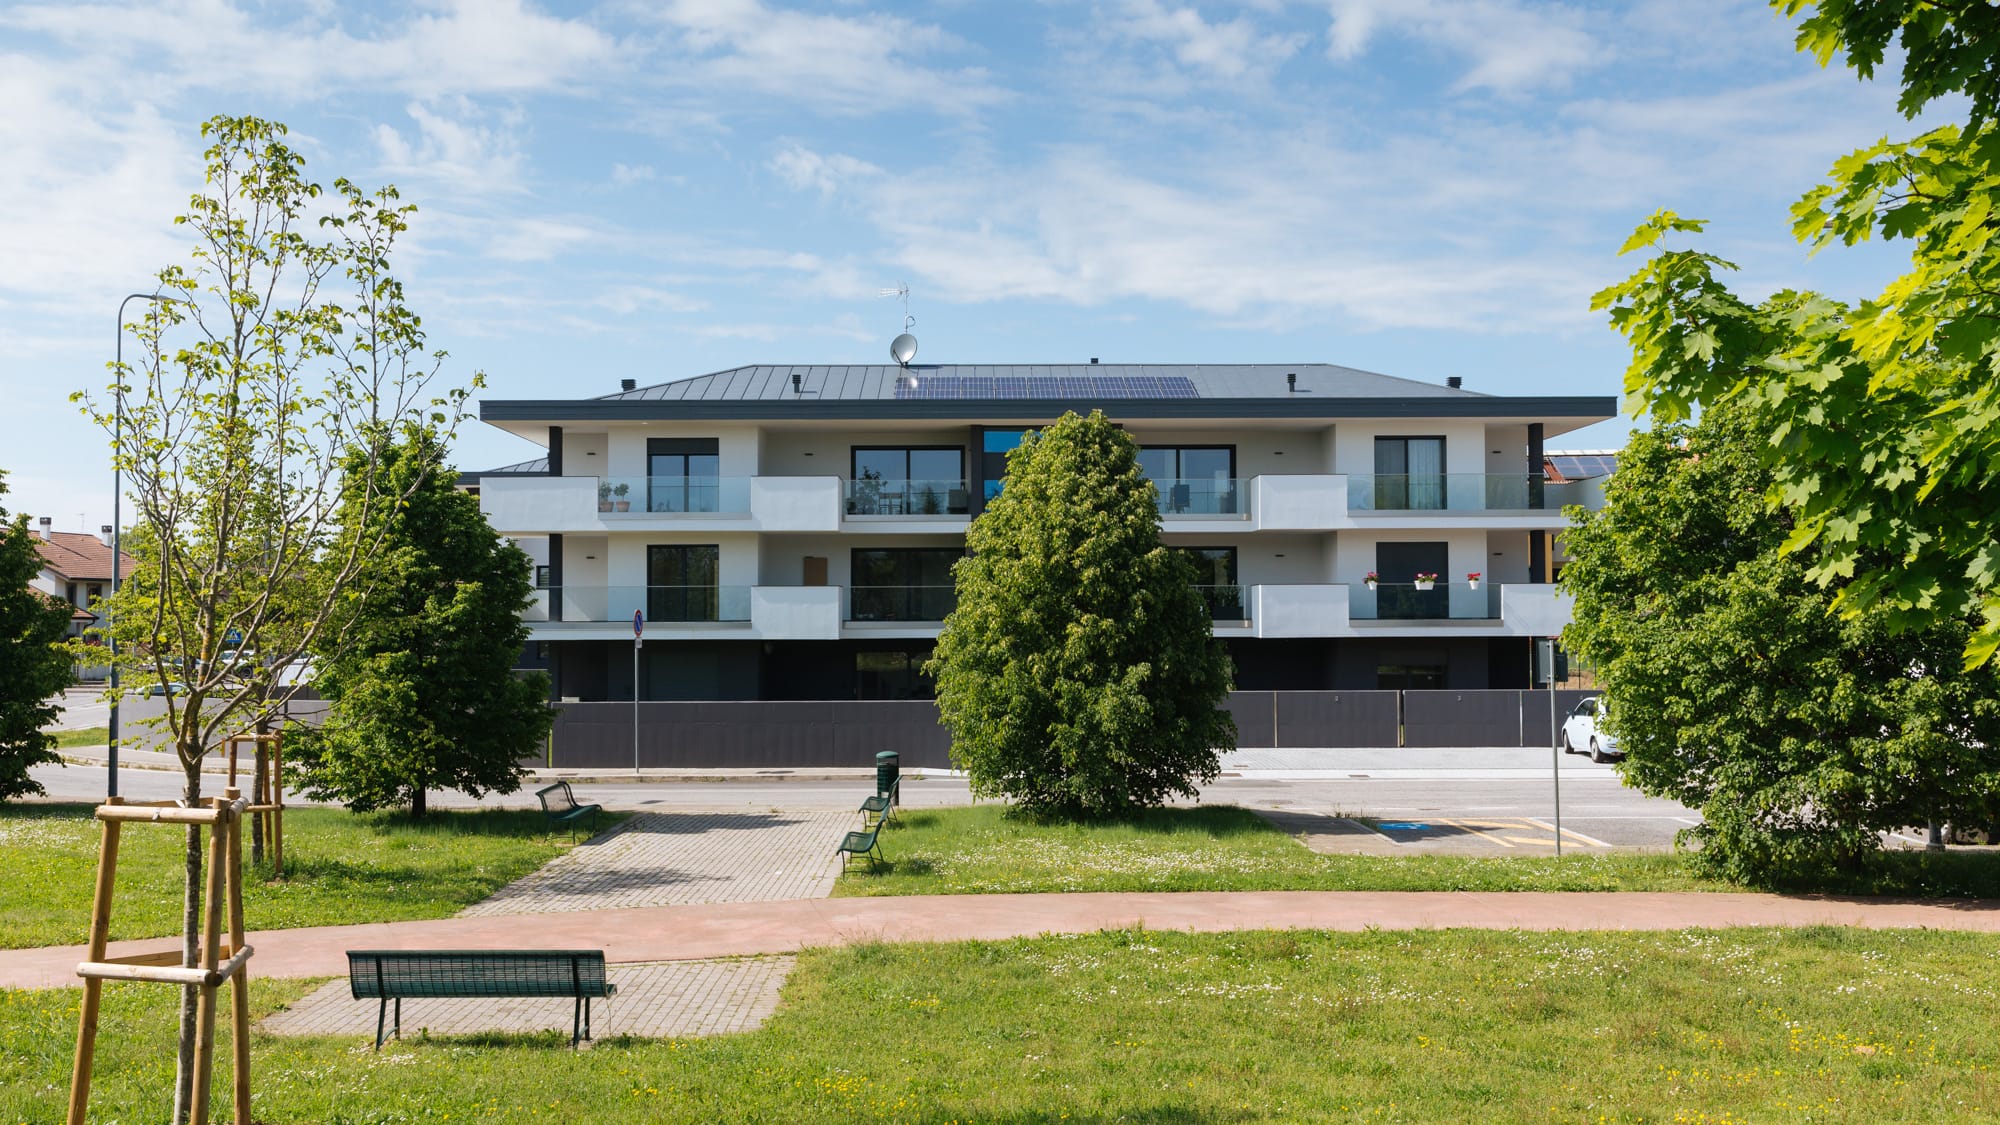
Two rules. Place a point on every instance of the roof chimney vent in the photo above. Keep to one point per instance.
(1093, 359)
(798, 383)
(1455, 382)
(48, 524)
(104, 533)
(1291, 381)
(628, 384)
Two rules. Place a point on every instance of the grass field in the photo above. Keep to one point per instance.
(1132, 1026)
(83, 736)
(339, 867)
(982, 850)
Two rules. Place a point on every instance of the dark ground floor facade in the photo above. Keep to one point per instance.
(744, 670)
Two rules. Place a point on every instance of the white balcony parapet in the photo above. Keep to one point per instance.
(797, 613)
(540, 505)
(1535, 610)
(1299, 611)
(796, 503)
(1298, 503)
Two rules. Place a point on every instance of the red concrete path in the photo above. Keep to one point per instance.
(667, 933)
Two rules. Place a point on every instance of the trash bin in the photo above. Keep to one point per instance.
(888, 766)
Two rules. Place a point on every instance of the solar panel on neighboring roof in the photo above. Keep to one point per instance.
(1577, 466)
(1043, 386)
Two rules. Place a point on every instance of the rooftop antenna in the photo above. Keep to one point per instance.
(903, 348)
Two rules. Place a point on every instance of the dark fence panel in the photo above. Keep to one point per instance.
(1255, 717)
(1336, 718)
(747, 735)
(1462, 718)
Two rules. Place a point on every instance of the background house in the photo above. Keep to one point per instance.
(76, 567)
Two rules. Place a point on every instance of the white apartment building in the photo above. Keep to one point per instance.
(787, 532)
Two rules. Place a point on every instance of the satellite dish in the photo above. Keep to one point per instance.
(903, 349)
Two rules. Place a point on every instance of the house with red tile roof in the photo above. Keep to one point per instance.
(76, 567)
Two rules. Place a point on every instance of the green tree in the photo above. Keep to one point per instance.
(423, 691)
(254, 382)
(1885, 439)
(33, 663)
(1799, 733)
(1080, 672)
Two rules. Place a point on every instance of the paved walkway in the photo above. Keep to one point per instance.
(675, 933)
(662, 1000)
(677, 859)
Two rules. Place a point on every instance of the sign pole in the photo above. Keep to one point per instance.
(638, 642)
(1545, 671)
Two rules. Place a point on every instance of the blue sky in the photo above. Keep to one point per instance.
(656, 190)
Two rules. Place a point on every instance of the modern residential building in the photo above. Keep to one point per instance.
(788, 531)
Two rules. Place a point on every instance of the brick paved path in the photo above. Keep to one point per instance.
(681, 859)
(662, 1000)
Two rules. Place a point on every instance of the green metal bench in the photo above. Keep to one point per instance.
(398, 974)
(559, 805)
(881, 806)
(860, 843)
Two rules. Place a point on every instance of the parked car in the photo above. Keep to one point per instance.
(1582, 728)
(161, 689)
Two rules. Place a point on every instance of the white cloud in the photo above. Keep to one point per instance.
(625, 175)
(456, 148)
(801, 169)
(835, 64)
(1227, 51)
(1509, 45)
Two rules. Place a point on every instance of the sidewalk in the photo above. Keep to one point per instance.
(677, 933)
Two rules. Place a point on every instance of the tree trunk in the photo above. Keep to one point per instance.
(259, 773)
(417, 804)
(190, 937)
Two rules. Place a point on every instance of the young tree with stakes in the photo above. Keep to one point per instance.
(256, 386)
(1080, 673)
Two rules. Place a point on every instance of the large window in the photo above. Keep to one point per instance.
(1409, 473)
(1398, 565)
(680, 582)
(908, 481)
(897, 674)
(683, 475)
(903, 583)
(1192, 479)
(994, 447)
(1215, 579)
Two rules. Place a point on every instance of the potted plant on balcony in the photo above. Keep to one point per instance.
(1426, 580)
(621, 490)
(1472, 580)
(604, 496)
(1372, 580)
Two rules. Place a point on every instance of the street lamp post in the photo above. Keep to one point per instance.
(117, 522)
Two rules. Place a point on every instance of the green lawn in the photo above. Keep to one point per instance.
(85, 736)
(339, 867)
(1818, 1025)
(982, 850)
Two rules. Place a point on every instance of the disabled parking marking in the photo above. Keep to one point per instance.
(1574, 835)
(1476, 831)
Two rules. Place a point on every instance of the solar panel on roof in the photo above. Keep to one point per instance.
(1043, 386)
(1578, 466)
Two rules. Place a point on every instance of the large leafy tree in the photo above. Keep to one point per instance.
(1801, 734)
(1079, 672)
(423, 693)
(286, 345)
(33, 663)
(1885, 412)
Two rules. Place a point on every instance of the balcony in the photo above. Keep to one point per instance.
(1458, 492)
(1444, 601)
(1201, 498)
(901, 603)
(905, 498)
(675, 496)
(1225, 603)
(664, 605)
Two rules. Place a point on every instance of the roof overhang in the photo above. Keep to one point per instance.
(1581, 408)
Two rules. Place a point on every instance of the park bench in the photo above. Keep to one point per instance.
(860, 843)
(398, 974)
(881, 806)
(559, 805)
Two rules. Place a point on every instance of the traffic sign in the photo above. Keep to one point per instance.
(638, 626)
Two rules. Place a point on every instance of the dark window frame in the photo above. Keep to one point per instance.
(957, 502)
(1225, 601)
(905, 601)
(1398, 493)
(687, 601)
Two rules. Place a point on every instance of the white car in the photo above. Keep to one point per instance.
(1580, 730)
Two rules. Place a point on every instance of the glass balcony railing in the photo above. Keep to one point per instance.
(674, 495)
(1458, 492)
(1225, 603)
(901, 603)
(907, 498)
(664, 605)
(1195, 497)
(1404, 601)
